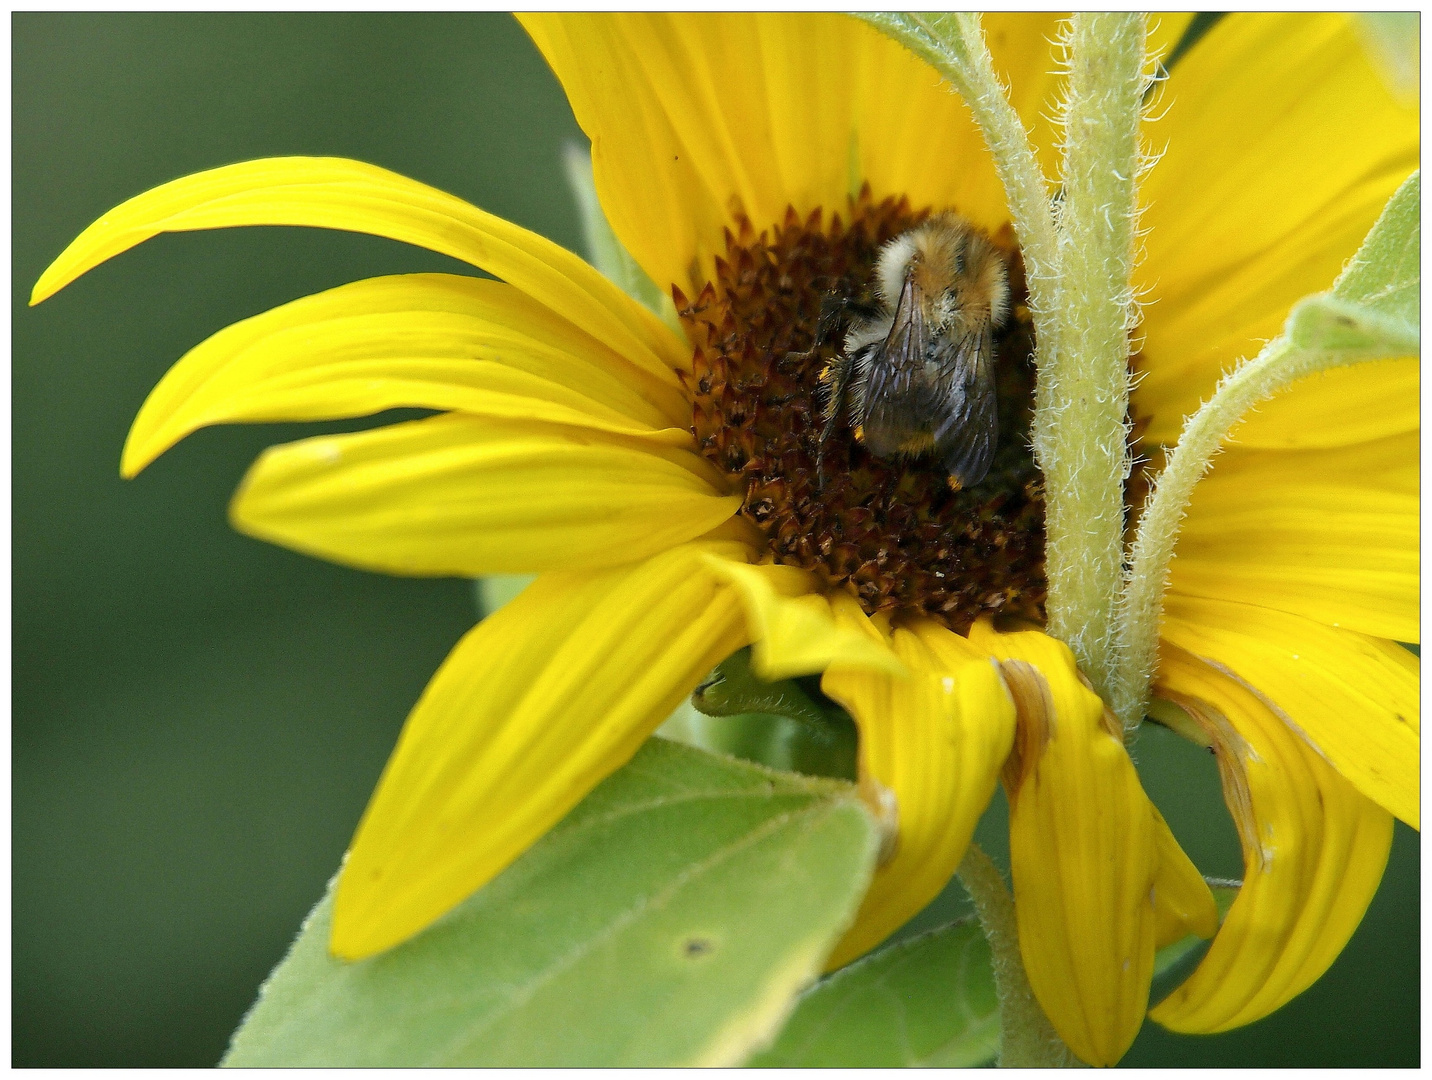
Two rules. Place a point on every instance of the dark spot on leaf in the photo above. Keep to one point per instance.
(695, 947)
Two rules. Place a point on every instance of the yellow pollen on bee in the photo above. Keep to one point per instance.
(919, 444)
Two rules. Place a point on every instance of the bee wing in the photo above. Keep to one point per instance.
(965, 438)
(891, 407)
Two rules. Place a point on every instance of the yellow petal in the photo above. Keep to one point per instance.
(1084, 853)
(1355, 698)
(532, 709)
(1313, 850)
(1338, 407)
(1183, 903)
(1329, 534)
(335, 193)
(934, 740)
(907, 117)
(657, 205)
(693, 115)
(470, 496)
(1166, 29)
(435, 341)
(1283, 145)
(793, 627)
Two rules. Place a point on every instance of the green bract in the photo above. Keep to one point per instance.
(926, 1001)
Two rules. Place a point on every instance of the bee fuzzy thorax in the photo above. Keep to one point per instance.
(960, 274)
(917, 372)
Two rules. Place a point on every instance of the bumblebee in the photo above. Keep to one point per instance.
(916, 374)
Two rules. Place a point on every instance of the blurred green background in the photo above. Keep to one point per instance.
(198, 717)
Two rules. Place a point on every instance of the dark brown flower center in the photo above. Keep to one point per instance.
(890, 532)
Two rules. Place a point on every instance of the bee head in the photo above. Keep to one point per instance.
(961, 276)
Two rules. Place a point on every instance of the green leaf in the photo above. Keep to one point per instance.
(1373, 308)
(780, 724)
(670, 919)
(734, 688)
(1385, 273)
(927, 1000)
(777, 743)
(1324, 323)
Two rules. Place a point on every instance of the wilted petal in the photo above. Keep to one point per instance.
(1354, 698)
(1084, 851)
(1183, 903)
(793, 626)
(1314, 849)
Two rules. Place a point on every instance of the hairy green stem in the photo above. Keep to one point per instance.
(1027, 1039)
(1279, 364)
(1371, 313)
(1081, 400)
(1078, 270)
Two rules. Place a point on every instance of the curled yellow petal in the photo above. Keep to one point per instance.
(1354, 698)
(436, 341)
(532, 709)
(467, 496)
(931, 746)
(793, 627)
(1084, 851)
(336, 193)
(1314, 849)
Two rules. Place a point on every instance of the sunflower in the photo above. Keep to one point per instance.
(661, 484)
